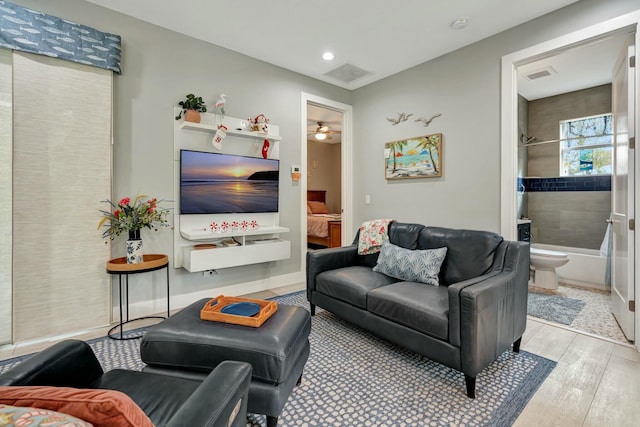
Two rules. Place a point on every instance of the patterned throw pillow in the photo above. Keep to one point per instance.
(34, 417)
(414, 266)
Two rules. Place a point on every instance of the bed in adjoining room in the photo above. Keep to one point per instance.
(323, 227)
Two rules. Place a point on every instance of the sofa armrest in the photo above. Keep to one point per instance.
(493, 311)
(455, 306)
(220, 401)
(328, 259)
(69, 363)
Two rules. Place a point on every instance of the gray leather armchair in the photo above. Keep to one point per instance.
(220, 400)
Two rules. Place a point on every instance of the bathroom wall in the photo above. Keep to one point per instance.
(565, 211)
(545, 115)
(523, 128)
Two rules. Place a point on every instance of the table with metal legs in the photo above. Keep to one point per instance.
(120, 267)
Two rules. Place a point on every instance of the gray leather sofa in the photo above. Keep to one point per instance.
(478, 311)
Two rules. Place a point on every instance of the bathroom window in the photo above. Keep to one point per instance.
(586, 146)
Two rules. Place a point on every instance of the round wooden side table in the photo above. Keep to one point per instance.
(120, 267)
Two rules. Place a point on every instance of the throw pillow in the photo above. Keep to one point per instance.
(36, 417)
(415, 266)
(102, 408)
(318, 207)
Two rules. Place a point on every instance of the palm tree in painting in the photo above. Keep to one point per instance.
(396, 147)
(431, 143)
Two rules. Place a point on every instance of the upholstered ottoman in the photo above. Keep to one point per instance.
(186, 346)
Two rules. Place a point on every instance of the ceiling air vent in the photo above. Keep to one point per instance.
(347, 73)
(540, 73)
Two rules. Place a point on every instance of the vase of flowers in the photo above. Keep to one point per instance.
(131, 217)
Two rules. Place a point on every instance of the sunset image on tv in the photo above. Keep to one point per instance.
(226, 183)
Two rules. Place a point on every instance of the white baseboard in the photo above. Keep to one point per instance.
(159, 306)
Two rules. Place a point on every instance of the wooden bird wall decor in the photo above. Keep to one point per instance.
(402, 117)
(427, 122)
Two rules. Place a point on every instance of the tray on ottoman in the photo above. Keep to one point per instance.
(212, 310)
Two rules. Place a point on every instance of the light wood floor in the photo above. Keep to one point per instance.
(596, 382)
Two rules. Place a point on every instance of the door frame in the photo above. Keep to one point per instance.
(346, 167)
(509, 118)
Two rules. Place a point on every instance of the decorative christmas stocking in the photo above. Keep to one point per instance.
(265, 148)
(219, 136)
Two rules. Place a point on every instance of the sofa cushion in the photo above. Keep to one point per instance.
(98, 407)
(470, 253)
(410, 265)
(36, 417)
(401, 234)
(414, 305)
(160, 396)
(351, 284)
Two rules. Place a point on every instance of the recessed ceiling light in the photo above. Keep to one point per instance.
(459, 23)
(328, 56)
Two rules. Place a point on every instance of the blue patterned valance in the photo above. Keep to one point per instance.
(36, 32)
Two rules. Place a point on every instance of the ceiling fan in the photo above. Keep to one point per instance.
(323, 131)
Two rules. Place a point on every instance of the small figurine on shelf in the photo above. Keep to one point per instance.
(259, 123)
(214, 227)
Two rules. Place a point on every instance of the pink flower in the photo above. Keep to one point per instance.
(124, 201)
(117, 213)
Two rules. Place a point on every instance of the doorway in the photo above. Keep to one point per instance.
(332, 120)
(511, 135)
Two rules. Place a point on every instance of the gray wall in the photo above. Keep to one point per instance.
(465, 87)
(545, 115)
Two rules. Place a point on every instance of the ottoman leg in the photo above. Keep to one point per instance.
(272, 421)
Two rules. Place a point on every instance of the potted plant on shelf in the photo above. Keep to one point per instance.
(132, 216)
(192, 106)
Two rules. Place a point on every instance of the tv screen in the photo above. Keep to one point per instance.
(214, 183)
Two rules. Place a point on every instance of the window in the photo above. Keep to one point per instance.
(586, 146)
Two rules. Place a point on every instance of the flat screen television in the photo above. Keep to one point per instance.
(216, 183)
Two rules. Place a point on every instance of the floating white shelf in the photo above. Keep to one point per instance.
(212, 129)
(196, 235)
(233, 256)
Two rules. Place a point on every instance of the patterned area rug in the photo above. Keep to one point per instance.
(353, 378)
(594, 317)
(555, 308)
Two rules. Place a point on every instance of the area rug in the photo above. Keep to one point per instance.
(554, 308)
(353, 378)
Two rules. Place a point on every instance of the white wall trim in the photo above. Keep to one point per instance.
(346, 172)
(509, 119)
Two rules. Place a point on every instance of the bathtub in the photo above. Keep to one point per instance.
(586, 267)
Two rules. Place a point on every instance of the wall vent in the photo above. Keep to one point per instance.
(347, 73)
(533, 75)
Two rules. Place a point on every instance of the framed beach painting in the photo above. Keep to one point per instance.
(419, 157)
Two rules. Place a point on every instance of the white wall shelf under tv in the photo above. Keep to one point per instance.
(248, 251)
(243, 133)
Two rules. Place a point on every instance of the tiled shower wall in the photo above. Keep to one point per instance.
(565, 211)
(569, 211)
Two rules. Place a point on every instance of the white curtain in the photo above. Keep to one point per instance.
(61, 172)
(5, 195)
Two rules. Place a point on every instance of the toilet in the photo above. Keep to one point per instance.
(544, 263)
